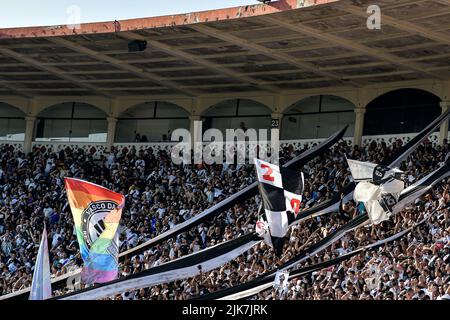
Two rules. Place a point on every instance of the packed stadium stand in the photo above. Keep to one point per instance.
(97, 104)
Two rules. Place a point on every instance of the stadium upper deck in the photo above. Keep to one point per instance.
(275, 54)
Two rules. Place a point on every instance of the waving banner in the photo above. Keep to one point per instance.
(379, 191)
(96, 212)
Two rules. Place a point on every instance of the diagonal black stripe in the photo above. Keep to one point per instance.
(319, 266)
(441, 172)
(188, 261)
(263, 278)
(399, 155)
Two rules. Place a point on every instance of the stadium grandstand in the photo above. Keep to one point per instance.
(100, 103)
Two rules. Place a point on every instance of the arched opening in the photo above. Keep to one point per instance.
(72, 122)
(401, 111)
(12, 123)
(237, 113)
(318, 117)
(151, 122)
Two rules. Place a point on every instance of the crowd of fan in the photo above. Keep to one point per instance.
(416, 266)
(327, 176)
(159, 195)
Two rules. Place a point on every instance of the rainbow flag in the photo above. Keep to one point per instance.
(96, 212)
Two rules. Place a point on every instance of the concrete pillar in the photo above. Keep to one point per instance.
(445, 105)
(29, 133)
(275, 125)
(277, 119)
(112, 124)
(275, 133)
(359, 126)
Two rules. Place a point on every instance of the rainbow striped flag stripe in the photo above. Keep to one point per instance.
(90, 202)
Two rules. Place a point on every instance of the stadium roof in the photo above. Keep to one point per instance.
(283, 46)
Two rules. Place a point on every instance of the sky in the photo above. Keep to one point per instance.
(26, 13)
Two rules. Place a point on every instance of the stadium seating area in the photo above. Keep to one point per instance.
(86, 102)
(160, 195)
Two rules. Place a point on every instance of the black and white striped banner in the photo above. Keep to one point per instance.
(185, 267)
(267, 282)
(399, 155)
(208, 259)
(239, 197)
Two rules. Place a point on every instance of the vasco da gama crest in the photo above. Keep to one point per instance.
(93, 223)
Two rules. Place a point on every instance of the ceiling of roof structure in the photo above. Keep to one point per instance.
(285, 45)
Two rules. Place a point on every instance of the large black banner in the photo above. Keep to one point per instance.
(267, 282)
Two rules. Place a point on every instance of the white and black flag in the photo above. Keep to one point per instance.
(281, 191)
(379, 188)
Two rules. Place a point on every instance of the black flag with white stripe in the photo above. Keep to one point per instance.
(281, 191)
